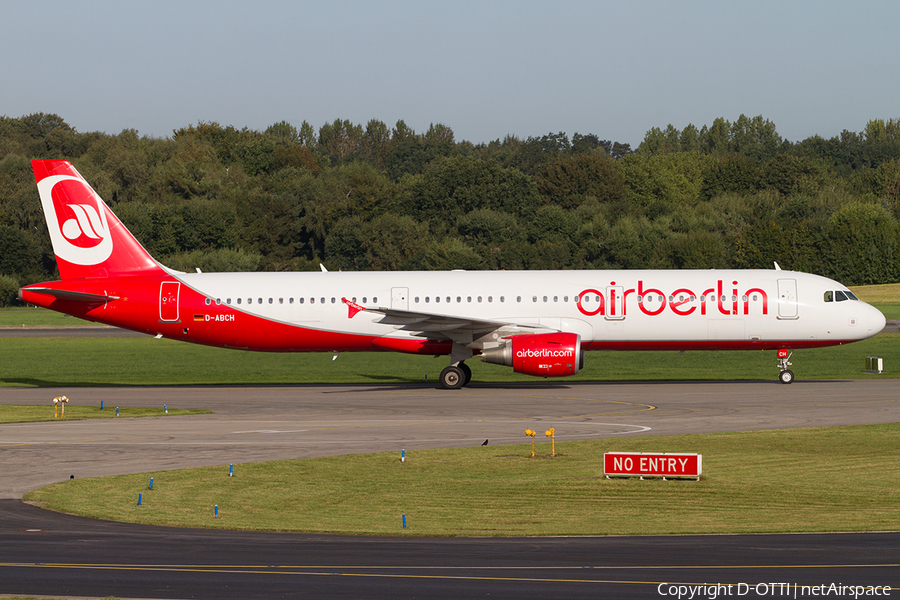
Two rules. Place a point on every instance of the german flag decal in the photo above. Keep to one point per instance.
(199, 318)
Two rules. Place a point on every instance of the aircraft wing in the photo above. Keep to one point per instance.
(452, 327)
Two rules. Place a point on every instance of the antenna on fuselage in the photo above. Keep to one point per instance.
(777, 268)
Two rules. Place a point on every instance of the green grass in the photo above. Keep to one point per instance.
(48, 362)
(32, 316)
(885, 298)
(821, 479)
(13, 413)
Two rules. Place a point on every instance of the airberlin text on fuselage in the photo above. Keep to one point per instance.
(682, 301)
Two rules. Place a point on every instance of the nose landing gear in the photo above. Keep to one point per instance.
(784, 357)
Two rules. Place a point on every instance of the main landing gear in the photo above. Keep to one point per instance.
(784, 357)
(456, 376)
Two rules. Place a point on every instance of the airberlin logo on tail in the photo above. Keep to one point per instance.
(76, 219)
(85, 230)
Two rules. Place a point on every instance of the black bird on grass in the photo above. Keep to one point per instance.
(485, 443)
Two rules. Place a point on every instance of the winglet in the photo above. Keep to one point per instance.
(352, 308)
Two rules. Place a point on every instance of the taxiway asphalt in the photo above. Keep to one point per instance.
(45, 553)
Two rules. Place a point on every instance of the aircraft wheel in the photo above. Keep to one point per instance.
(467, 372)
(786, 376)
(452, 378)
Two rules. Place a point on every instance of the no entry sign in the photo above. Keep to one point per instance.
(648, 464)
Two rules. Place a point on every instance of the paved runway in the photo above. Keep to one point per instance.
(278, 422)
(45, 553)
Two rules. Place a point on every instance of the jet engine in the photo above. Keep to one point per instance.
(543, 355)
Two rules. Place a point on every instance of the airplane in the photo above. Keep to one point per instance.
(539, 323)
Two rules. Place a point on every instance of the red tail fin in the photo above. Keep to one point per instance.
(88, 239)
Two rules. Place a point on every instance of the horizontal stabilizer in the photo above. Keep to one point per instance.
(69, 295)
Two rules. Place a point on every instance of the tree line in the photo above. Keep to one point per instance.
(373, 197)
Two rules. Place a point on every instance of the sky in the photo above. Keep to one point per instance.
(486, 69)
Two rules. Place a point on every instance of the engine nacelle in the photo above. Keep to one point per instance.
(543, 354)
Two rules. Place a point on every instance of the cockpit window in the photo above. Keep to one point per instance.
(839, 296)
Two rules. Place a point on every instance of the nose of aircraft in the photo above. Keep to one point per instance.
(876, 321)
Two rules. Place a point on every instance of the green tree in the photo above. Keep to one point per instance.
(9, 289)
(568, 178)
(861, 246)
(663, 182)
(731, 173)
(791, 174)
(341, 140)
(454, 186)
(221, 260)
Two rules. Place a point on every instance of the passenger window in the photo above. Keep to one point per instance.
(490, 298)
(312, 300)
(437, 298)
(829, 296)
(417, 300)
(249, 300)
(281, 301)
(534, 298)
(479, 298)
(208, 301)
(301, 300)
(239, 300)
(427, 299)
(458, 299)
(374, 299)
(468, 298)
(448, 299)
(270, 301)
(228, 301)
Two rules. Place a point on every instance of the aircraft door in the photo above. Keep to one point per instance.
(787, 299)
(168, 301)
(400, 298)
(615, 309)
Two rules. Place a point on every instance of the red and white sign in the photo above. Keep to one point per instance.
(648, 464)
